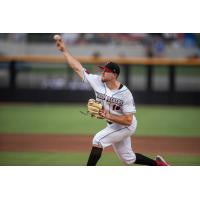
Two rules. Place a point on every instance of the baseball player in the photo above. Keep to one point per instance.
(116, 106)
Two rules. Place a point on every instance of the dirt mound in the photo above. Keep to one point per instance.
(74, 143)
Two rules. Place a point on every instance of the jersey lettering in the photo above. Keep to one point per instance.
(109, 99)
(101, 96)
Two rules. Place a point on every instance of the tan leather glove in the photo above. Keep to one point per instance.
(93, 108)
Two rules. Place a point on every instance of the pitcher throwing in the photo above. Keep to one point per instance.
(116, 106)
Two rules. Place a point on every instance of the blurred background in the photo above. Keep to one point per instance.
(47, 72)
(41, 98)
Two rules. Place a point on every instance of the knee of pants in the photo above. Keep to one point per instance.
(96, 142)
(129, 159)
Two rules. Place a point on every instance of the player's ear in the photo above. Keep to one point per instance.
(116, 76)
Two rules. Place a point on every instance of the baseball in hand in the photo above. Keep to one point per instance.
(57, 37)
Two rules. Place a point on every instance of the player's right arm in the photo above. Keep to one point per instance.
(71, 61)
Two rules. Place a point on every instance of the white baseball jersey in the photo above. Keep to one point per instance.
(117, 102)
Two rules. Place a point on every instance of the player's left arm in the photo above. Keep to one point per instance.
(120, 119)
(128, 110)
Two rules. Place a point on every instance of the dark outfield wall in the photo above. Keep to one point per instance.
(79, 96)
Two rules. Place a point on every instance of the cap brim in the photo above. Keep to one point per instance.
(105, 68)
(102, 67)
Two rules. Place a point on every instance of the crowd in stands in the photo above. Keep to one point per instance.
(154, 41)
(183, 39)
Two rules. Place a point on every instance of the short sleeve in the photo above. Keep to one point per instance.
(129, 105)
(92, 79)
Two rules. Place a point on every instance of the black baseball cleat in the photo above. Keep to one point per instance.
(161, 161)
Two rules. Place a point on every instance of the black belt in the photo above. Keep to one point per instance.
(109, 122)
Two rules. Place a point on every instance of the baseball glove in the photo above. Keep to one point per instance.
(93, 108)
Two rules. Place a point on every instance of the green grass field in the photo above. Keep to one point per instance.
(67, 119)
(80, 159)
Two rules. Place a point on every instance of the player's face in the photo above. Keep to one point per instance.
(107, 76)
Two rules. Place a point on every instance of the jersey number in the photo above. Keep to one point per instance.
(116, 107)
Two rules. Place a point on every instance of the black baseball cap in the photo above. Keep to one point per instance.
(112, 67)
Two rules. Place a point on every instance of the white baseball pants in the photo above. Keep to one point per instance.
(120, 138)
